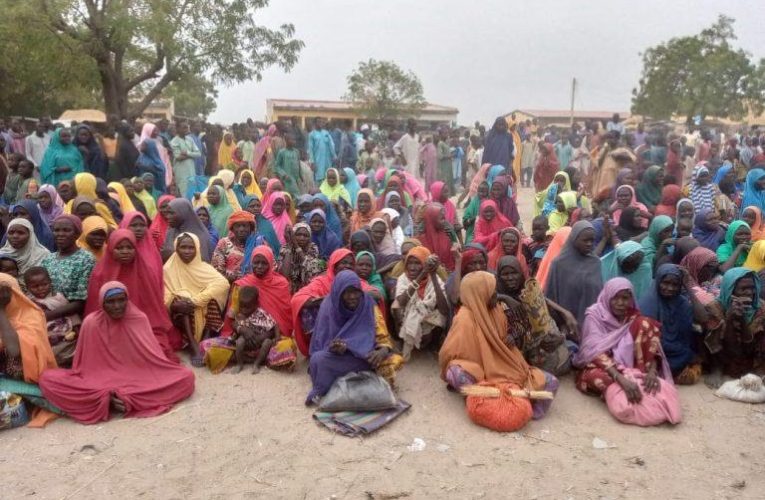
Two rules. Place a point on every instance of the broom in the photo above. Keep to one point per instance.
(487, 391)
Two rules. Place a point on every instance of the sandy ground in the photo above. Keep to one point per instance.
(249, 436)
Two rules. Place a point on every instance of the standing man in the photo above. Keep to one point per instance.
(348, 152)
(247, 147)
(321, 150)
(185, 152)
(408, 148)
(615, 125)
(37, 143)
(299, 136)
(196, 136)
(18, 138)
(564, 151)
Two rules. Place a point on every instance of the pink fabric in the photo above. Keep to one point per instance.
(119, 356)
(429, 158)
(270, 189)
(634, 203)
(450, 211)
(146, 246)
(146, 132)
(653, 409)
(477, 179)
(280, 222)
(486, 232)
(259, 155)
(143, 279)
(414, 187)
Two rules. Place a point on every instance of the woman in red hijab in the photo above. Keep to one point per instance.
(670, 195)
(118, 366)
(437, 235)
(439, 192)
(159, 225)
(490, 222)
(508, 242)
(141, 273)
(547, 166)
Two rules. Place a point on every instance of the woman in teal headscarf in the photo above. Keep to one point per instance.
(219, 209)
(351, 184)
(364, 260)
(735, 249)
(649, 190)
(545, 200)
(754, 189)
(494, 172)
(252, 204)
(470, 215)
(62, 160)
(628, 261)
(660, 229)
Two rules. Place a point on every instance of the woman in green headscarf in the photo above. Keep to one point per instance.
(219, 208)
(628, 260)
(62, 160)
(735, 249)
(470, 215)
(649, 190)
(366, 268)
(660, 229)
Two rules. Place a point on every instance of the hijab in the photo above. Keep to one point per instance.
(486, 231)
(57, 204)
(725, 250)
(188, 222)
(756, 259)
(31, 254)
(126, 205)
(729, 280)
(360, 220)
(670, 195)
(279, 222)
(226, 151)
(89, 225)
(553, 250)
(633, 203)
(220, 213)
(648, 191)
(333, 220)
(158, 228)
(758, 230)
(264, 226)
(351, 184)
(640, 277)
(703, 196)
(708, 236)
(436, 239)
(127, 153)
(374, 279)
(227, 176)
(326, 240)
(450, 211)
(57, 155)
(146, 245)
(386, 247)
(151, 161)
(753, 196)
(42, 230)
(574, 280)
(651, 242)
(506, 205)
(497, 253)
(337, 192)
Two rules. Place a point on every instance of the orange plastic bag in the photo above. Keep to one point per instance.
(502, 414)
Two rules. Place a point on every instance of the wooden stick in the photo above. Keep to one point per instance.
(493, 392)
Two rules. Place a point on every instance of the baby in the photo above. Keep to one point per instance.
(255, 331)
(62, 331)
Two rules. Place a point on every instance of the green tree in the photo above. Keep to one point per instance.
(384, 91)
(194, 97)
(699, 75)
(141, 47)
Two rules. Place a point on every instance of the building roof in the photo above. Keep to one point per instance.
(566, 113)
(307, 105)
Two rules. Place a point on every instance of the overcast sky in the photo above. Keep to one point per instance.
(485, 57)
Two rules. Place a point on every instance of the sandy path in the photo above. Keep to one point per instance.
(245, 436)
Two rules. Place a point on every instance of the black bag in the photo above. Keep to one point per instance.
(358, 391)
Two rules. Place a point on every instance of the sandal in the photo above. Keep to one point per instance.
(198, 361)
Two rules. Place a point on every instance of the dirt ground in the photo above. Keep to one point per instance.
(250, 436)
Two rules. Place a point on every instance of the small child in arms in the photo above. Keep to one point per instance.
(255, 331)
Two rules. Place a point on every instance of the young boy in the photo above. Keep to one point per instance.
(534, 248)
(255, 331)
(27, 184)
(62, 331)
(9, 266)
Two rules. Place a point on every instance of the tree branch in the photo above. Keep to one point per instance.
(155, 92)
(151, 72)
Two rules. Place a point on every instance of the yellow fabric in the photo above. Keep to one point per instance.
(253, 188)
(147, 199)
(217, 358)
(126, 205)
(89, 225)
(556, 219)
(756, 258)
(541, 196)
(390, 365)
(85, 185)
(227, 176)
(517, 158)
(197, 280)
(226, 151)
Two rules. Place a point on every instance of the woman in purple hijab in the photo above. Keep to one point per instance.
(344, 336)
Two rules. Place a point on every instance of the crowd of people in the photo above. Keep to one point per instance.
(263, 245)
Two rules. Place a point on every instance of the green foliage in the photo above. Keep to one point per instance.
(194, 97)
(139, 48)
(382, 90)
(699, 75)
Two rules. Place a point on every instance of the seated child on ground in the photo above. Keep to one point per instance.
(255, 331)
(534, 248)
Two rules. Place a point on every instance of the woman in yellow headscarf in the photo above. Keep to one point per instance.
(226, 151)
(126, 205)
(85, 185)
(94, 234)
(247, 185)
(227, 176)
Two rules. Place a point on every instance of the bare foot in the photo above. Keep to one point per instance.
(237, 369)
(255, 369)
(714, 380)
(117, 404)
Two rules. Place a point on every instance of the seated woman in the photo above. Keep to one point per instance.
(141, 273)
(93, 237)
(707, 230)
(530, 326)
(118, 366)
(28, 209)
(735, 249)
(195, 293)
(204, 215)
(704, 268)
(545, 201)
(436, 234)
(737, 344)
(366, 269)
(393, 202)
(659, 231)
(299, 259)
(649, 189)
(565, 204)
(475, 349)
(264, 226)
(753, 216)
(473, 258)
(336, 221)
(625, 197)
(666, 303)
(385, 250)
(182, 219)
(439, 192)
(333, 189)
(22, 245)
(489, 223)
(507, 242)
(24, 349)
(365, 210)
(325, 240)
(276, 211)
(219, 209)
(86, 184)
(628, 261)
(230, 252)
(350, 335)
(617, 343)
(420, 306)
(159, 224)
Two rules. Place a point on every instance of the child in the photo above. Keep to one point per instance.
(683, 227)
(9, 266)
(534, 248)
(13, 180)
(62, 331)
(457, 155)
(27, 184)
(255, 331)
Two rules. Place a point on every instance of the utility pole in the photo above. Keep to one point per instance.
(573, 92)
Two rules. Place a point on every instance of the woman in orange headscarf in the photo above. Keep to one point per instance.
(365, 210)
(556, 245)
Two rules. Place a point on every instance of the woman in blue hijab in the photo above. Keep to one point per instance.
(28, 209)
(333, 220)
(252, 204)
(150, 162)
(351, 184)
(326, 240)
(754, 189)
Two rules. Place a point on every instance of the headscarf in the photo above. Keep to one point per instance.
(703, 196)
(496, 253)
(603, 333)
(486, 231)
(146, 245)
(60, 155)
(374, 279)
(147, 199)
(725, 250)
(545, 200)
(553, 250)
(506, 205)
(351, 184)
(117, 356)
(274, 291)
(709, 237)
(264, 226)
(476, 339)
(97, 164)
(696, 260)
(253, 188)
(633, 203)
(360, 220)
(651, 242)
(498, 144)
(730, 278)
(574, 280)
(227, 176)
(333, 220)
(385, 251)
(226, 151)
(197, 280)
(260, 152)
(436, 239)
(220, 213)
(42, 230)
(158, 228)
(152, 161)
(127, 153)
(670, 195)
(556, 219)
(326, 240)
(640, 277)
(756, 259)
(676, 317)
(31, 254)
(680, 203)
(450, 211)
(758, 229)
(648, 192)
(124, 200)
(406, 199)
(752, 195)
(336, 192)
(546, 168)
(89, 225)
(56, 207)
(188, 222)
(280, 222)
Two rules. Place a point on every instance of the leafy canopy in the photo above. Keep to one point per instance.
(382, 90)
